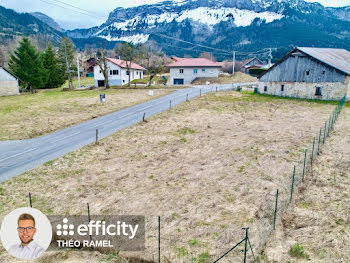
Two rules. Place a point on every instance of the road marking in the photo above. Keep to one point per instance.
(17, 154)
(66, 137)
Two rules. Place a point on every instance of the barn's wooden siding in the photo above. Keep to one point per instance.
(294, 69)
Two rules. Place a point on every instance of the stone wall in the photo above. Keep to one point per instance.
(329, 90)
(8, 88)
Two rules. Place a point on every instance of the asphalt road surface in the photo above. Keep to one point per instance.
(20, 156)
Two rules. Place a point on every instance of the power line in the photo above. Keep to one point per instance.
(87, 11)
(187, 42)
(69, 9)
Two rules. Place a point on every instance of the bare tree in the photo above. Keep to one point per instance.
(154, 60)
(102, 62)
(207, 55)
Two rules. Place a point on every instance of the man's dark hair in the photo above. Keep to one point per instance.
(26, 217)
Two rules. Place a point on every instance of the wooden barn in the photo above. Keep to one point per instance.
(8, 83)
(310, 73)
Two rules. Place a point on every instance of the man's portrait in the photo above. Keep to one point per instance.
(28, 248)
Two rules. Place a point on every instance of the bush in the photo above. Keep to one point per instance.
(298, 251)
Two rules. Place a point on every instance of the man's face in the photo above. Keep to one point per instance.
(27, 234)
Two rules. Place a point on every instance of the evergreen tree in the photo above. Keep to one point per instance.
(27, 65)
(55, 73)
(65, 58)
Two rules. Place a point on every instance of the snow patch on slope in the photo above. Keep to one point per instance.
(202, 15)
(135, 39)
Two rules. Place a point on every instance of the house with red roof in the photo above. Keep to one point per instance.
(185, 70)
(118, 73)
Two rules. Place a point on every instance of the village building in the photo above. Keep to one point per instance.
(310, 73)
(245, 65)
(8, 83)
(118, 73)
(185, 70)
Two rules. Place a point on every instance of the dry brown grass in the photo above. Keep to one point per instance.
(238, 77)
(204, 166)
(319, 219)
(32, 115)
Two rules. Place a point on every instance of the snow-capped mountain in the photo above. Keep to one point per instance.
(224, 23)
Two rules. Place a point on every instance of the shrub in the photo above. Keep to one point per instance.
(298, 251)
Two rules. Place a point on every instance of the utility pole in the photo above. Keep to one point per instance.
(233, 62)
(78, 71)
(270, 57)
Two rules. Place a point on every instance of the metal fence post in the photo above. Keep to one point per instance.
(304, 165)
(170, 105)
(187, 97)
(245, 244)
(319, 141)
(313, 148)
(158, 239)
(96, 136)
(144, 117)
(30, 200)
(276, 207)
(292, 188)
(89, 218)
(324, 132)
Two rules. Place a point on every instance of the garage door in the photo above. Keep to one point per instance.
(178, 81)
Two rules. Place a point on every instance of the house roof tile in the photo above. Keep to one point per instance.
(122, 64)
(194, 62)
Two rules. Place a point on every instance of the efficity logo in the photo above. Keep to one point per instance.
(101, 231)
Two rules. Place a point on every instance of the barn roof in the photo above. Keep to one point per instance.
(122, 64)
(336, 58)
(333, 57)
(9, 72)
(194, 62)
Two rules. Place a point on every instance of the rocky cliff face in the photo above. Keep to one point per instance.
(47, 20)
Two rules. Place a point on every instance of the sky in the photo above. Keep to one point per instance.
(71, 14)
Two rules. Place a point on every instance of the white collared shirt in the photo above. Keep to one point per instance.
(30, 251)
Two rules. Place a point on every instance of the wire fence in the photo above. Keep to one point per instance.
(272, 209)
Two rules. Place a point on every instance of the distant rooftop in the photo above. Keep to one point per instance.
(193, 62)
(122, 64)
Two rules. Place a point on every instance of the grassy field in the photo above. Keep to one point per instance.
(84, 81)
(204, 166)
(317, 227)
(31, 115)
(238, 77)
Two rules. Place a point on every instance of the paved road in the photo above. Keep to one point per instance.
(17, 157)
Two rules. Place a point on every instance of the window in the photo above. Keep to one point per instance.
(181, 71)
(282, 87)
(128, 72)
(100, 71)
(115, 72)
(123, 81)
(318, 91)
(265, 88)
(324, 72)
(195, 71)
(307, 72)
(211, 71)
(137, 73)
(203, 69)
(111, 72)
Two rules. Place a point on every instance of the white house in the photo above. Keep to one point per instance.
(8, 83)
(185, 70)
(118, 73)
